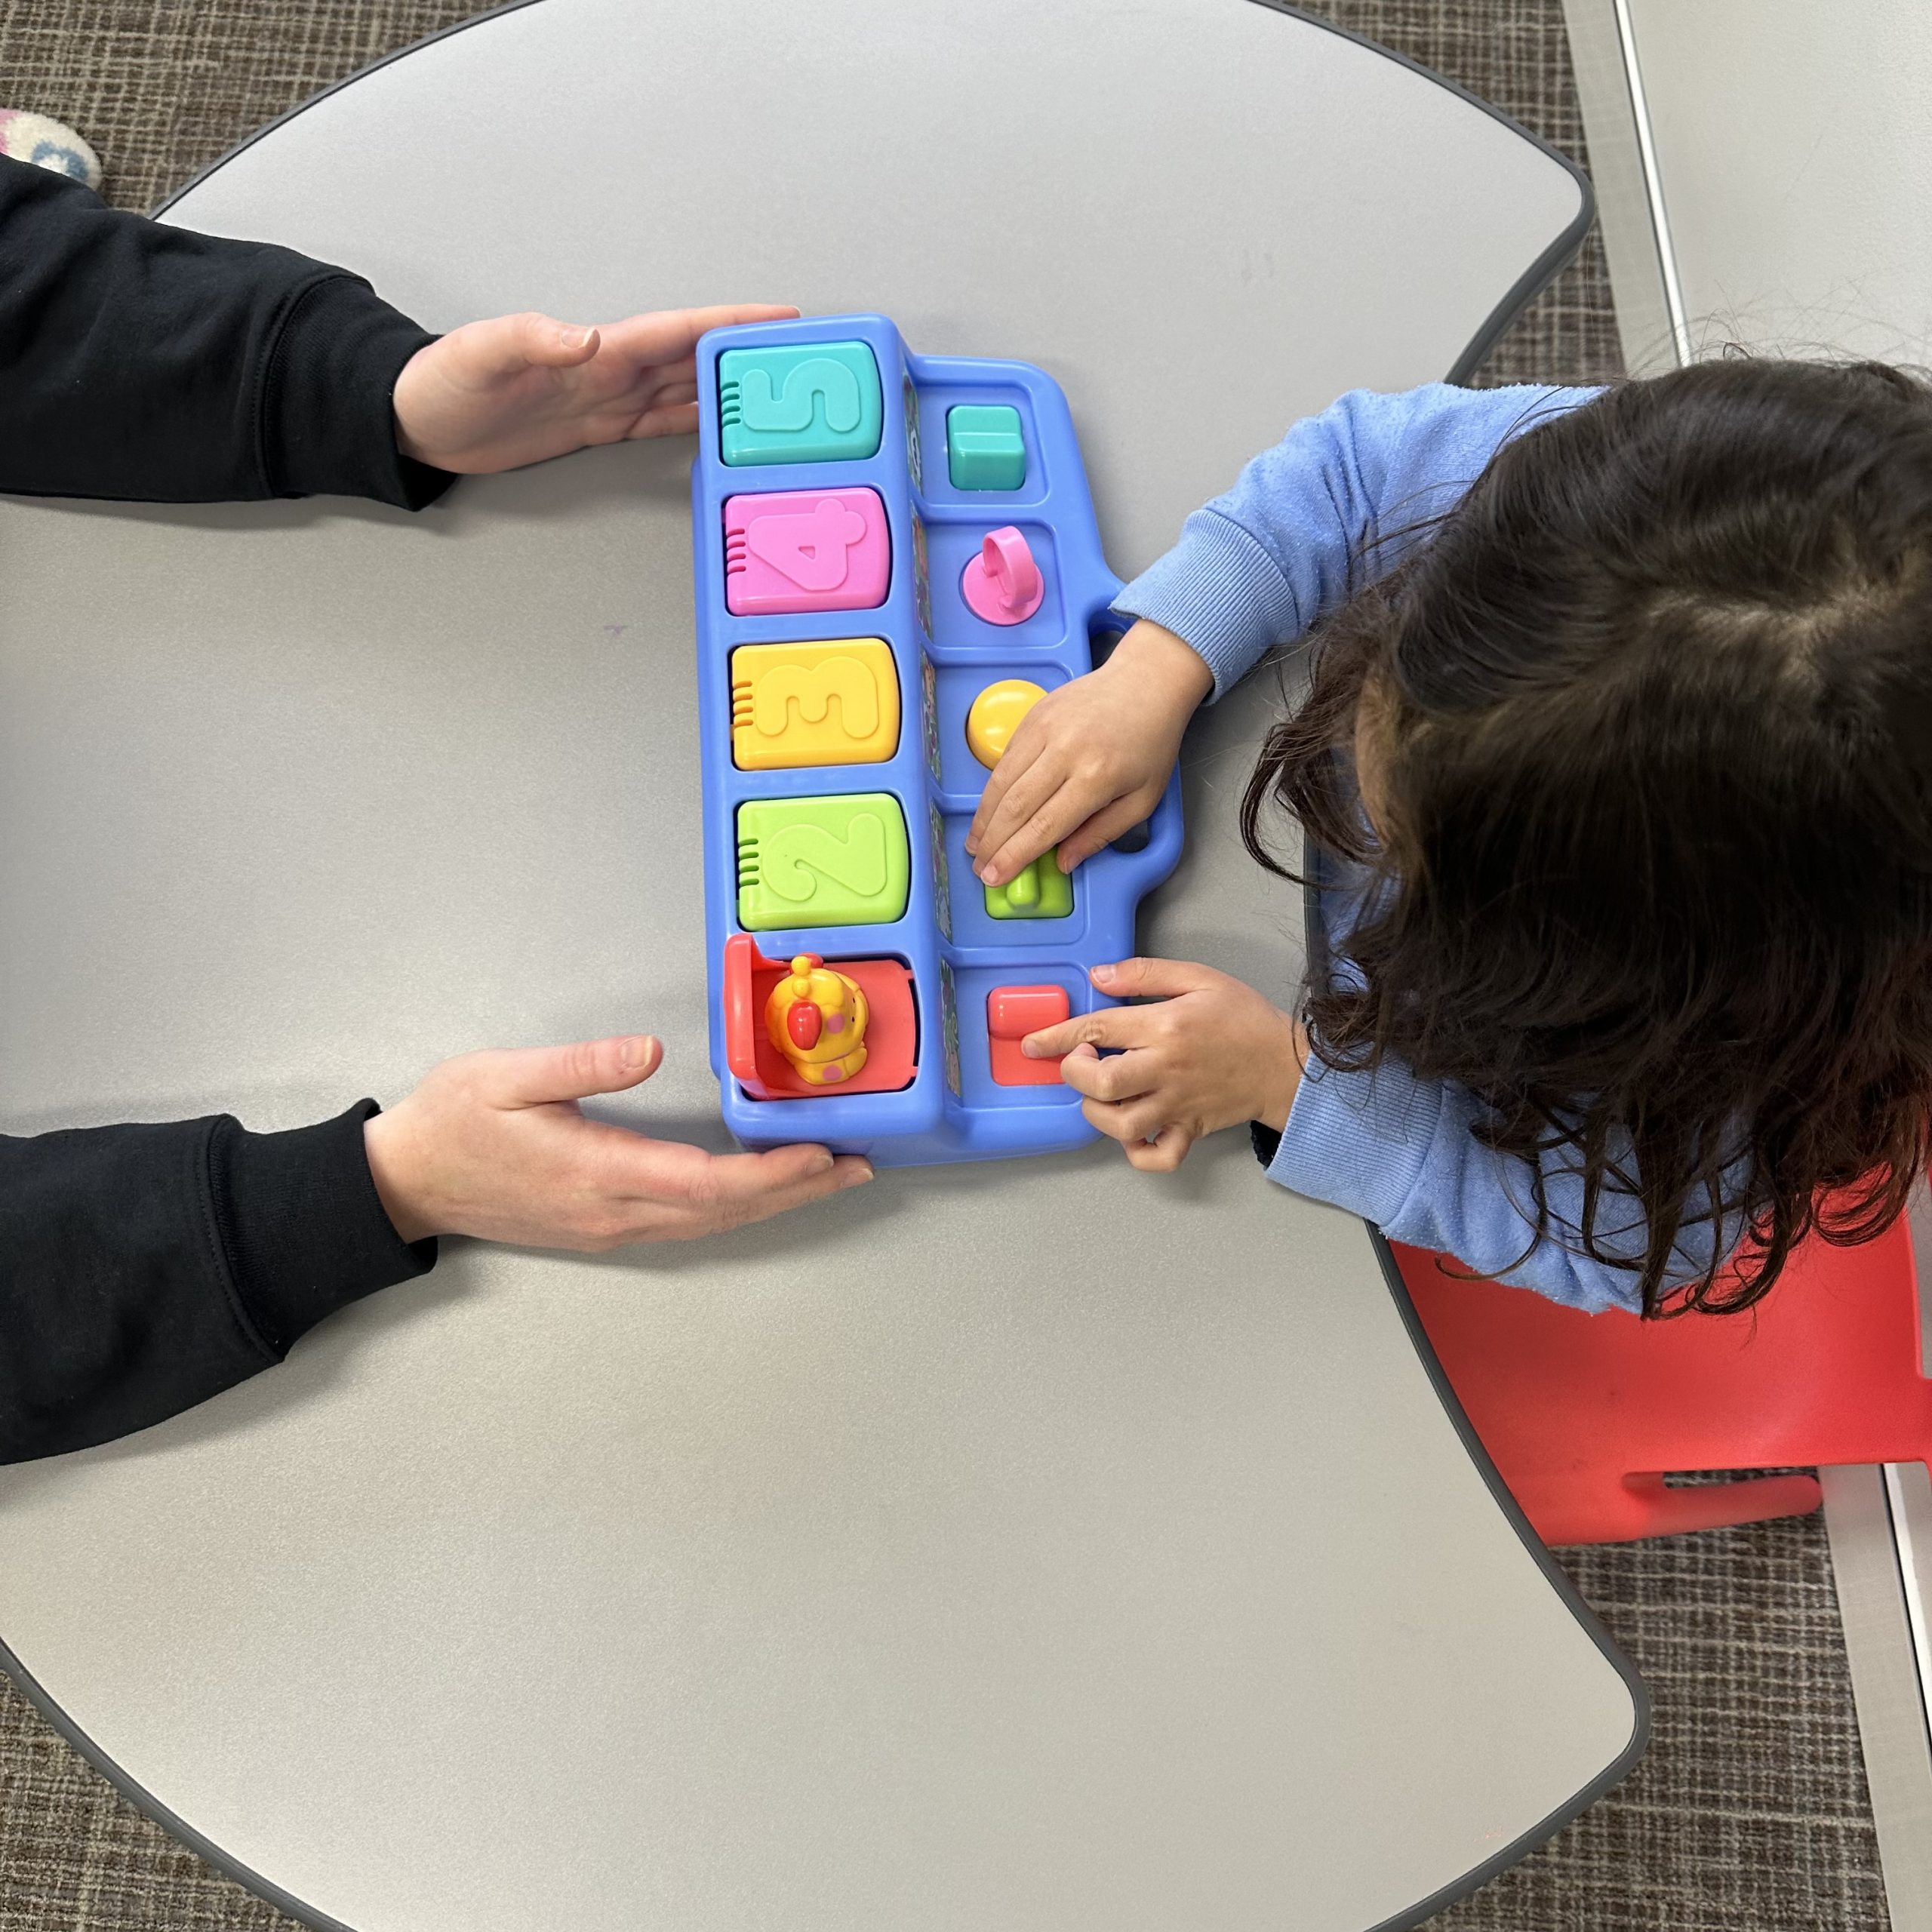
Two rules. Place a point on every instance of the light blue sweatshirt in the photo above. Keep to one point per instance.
(1258, 566)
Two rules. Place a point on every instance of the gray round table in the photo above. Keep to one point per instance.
(1028, 1546)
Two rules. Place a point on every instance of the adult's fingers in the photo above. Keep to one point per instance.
(664, 418)
(534, 1076)
(723, 1191)
(543, 340)
(663, 335)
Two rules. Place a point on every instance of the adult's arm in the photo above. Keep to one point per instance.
(140, 360)
(144, 1268)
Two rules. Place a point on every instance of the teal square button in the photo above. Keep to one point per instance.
(813, 402)
(984, 447)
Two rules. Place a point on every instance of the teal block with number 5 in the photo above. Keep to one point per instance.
(819, 402)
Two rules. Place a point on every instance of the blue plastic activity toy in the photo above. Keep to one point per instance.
(882, 592)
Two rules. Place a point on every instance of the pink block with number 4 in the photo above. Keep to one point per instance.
(805, 550)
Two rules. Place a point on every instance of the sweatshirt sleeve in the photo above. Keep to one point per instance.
(144, 361)
(1399, 1152)
(1328, 509)
(144, 1268)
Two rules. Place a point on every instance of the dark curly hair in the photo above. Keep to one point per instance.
(1648, 725)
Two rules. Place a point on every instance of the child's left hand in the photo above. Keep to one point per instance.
(494, 395)
(1211, 1053)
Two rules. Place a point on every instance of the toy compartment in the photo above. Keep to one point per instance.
(950, 691)
(944, 383)
(978, 1088)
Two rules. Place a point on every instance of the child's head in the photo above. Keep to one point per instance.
(1645, 732)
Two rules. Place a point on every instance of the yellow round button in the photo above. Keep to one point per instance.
(996, 716)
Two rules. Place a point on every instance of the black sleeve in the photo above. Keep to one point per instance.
(143, 1269)
(144, 361)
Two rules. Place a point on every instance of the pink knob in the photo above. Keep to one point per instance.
(1003, 584)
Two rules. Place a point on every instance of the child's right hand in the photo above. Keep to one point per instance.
(1090, 760)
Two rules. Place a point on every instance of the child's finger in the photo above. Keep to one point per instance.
(1154, 979)
(1128, 1076)
(1023, 770)
(1062, 810)
(1109, 1026)
(1163, 1154)
(995, 788)
(1141, 1117)
(1103, 1116)
(1129, 1122)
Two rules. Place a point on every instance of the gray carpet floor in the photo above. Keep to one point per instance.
(1750, 1811)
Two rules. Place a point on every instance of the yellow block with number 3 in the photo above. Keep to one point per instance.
(804, 704)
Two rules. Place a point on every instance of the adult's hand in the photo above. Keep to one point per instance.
(494, 395)
(494, 1145)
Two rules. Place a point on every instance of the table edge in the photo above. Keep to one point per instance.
(1559, 1581)
(1528, 286)
(1317, 873)
(1471, 1881)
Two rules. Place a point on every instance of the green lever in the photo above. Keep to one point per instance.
(1041, 891)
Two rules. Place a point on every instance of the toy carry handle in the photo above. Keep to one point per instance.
(1136, 872)
(1139, 872)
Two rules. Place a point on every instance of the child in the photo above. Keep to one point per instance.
(145, 1266)
(1621, 730)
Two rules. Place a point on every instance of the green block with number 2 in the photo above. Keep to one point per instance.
(821, 862)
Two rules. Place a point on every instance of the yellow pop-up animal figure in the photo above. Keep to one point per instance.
(817, 1019)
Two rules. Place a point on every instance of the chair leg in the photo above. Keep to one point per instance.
(1661, 1511)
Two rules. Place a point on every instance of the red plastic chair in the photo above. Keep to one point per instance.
(1583, 1414)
